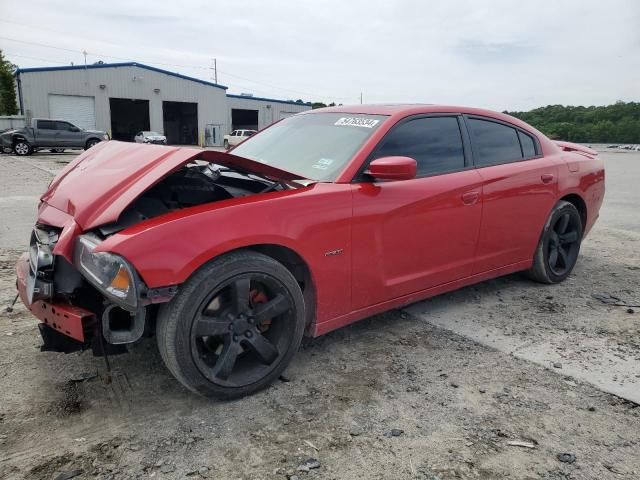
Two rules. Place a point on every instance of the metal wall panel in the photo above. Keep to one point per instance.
(123, 82)
(269, 110)
(139, 83)
(81, 111)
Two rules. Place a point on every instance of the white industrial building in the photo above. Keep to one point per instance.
(125, 98)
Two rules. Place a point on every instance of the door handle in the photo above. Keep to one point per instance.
(470, 198)
(547, 177)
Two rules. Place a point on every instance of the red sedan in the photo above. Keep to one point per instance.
(320, 220)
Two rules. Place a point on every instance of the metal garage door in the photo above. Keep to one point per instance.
(80, 111)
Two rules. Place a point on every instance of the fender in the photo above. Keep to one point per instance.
(166, 250)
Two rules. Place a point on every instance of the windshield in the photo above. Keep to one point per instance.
(151, 134)
(315, 146)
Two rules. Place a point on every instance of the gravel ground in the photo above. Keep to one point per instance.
(399, 395)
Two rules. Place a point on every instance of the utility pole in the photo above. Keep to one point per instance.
(84, 52)
(360, 98)
(214, 67)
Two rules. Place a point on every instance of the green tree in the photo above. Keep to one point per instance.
(618, 123)
(8, 105)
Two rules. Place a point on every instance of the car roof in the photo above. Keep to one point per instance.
(400, 110)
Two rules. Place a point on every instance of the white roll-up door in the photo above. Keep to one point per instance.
(81, 111)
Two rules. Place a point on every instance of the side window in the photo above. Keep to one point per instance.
(64, 126)
(234, 133)
(434, 142)
(46, 125)
(528, 145)
(493, 143)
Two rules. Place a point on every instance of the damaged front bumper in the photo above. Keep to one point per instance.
(67, 320)
(77, 310)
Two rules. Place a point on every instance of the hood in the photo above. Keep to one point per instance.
(99, 184)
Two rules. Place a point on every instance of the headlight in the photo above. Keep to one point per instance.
(109, 273)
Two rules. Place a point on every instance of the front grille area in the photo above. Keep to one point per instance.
(41, 263)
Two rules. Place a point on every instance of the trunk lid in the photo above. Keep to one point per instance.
(577, 148)
(99, 184)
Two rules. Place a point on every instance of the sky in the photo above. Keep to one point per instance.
(502, 55)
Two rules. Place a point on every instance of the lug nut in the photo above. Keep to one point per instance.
(235, 338)
(248, 333)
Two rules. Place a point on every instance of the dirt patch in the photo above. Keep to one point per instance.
(392, 397)
(71, 401)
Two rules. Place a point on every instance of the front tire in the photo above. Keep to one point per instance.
(559, 245)
(91, 143)
(233, 327)
(22, 148)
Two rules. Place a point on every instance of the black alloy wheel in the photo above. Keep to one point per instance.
(563, 244)
(559, 245)
(233, 327)
(242, 329)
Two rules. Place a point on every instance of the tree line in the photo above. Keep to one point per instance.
(8, 104)
(617, 123)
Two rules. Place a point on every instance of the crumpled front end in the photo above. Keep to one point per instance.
(65, 327)
(95, 301)
(80, 289)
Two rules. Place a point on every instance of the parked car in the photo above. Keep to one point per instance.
(318, 221)
(237, 136)
(3, 149)
(46, 133)
(150, 137)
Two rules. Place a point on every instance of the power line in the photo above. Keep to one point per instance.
(200, 67)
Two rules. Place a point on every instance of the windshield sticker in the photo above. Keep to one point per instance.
(323, 163)
(357, 122)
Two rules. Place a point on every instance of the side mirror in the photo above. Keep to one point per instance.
(74, 129)
(393, 168)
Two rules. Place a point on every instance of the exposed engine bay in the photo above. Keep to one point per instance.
(193, 184)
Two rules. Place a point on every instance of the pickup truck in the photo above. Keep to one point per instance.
(44, 133)
(236, 137)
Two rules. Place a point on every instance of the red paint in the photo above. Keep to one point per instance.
(393, 168)
(399, 241)
(67, 319)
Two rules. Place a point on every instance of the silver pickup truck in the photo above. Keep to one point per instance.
(44, 133)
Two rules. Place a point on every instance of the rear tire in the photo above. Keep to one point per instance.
(233, 327)
(559, 245)
(22, 148)
(57, 150)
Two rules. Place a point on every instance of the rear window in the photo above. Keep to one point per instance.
(47, 125)
(528, 145)
(493, 143)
